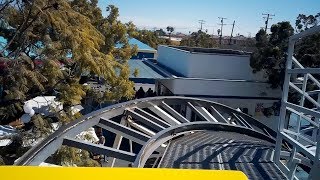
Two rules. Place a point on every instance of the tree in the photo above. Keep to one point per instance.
(148, 37)
(304, 22)
(270, 55)
(50, 44)
(271, 51)
(50, 31)
(199, 39)
(308, 51)
(160, 32)
(170, 29)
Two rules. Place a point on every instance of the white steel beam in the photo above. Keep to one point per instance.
(198, 111)
(164, 115)
(152, 117)
(313, 92)
(297, 63)
(304, 94)
(206, 113)
(144, 120)
(283, 109)
(124, 131)
(298, 108)
(239, 120)
(306, 139)
(99, 149)
(141, 128)
(217, 115)
(305, 33)
(303, 116)
(116, 145)
(174, 113)
(247, 124)
(299, 146)
(304, 88)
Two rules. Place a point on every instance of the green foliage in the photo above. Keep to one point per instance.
(48, 31)
(199, 39)
(170, 29)
(149, 37)
(308, 51)
(160, 32)
(304, 22)
(41, 124)
(69, 156)
(271, 50)
(136, 72)
(270, 55)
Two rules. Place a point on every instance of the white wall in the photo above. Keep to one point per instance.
(175, 59)
(204, 65)
(196, 86)
(220, 66)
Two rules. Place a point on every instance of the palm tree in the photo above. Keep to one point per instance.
(170, 29)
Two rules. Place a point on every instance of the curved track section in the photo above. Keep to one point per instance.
(150, 123)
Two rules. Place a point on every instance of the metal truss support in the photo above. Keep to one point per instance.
(116, 144)
(217, 115)
(164, 115)
(124, 131)
(152, 117)
(141, 121)
(99, 149)
(198, 112)
(174, 113)
(297, 138)
(144, 120)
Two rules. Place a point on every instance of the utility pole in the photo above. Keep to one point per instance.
(267, 17)
(222, 18)
(232, 32)
(201, 23)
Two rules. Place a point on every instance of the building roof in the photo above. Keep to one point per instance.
(211, 50)
(145, 71)
(140, 45)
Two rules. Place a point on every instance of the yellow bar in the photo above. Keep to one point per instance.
(79, 173)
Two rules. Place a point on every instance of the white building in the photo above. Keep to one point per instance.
(224, 76)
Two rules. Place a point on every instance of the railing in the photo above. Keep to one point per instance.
(301, 142)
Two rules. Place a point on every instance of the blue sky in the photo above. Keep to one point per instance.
(184, 14)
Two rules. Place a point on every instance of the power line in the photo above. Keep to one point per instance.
(221, 19)
(267, 17)
(201, 23)
(244, 30)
